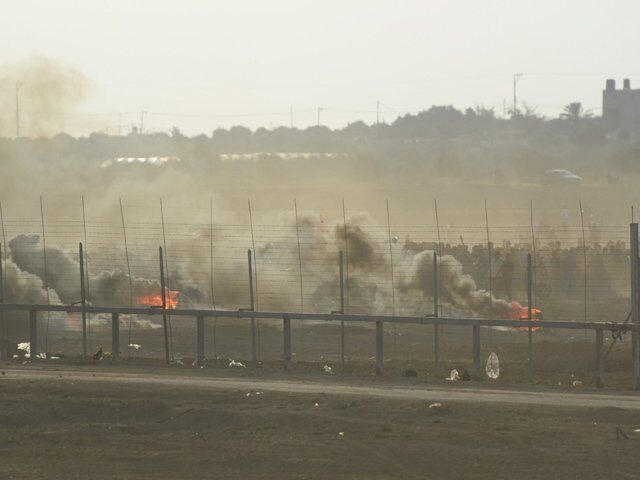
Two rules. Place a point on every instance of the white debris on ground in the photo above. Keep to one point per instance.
(254, 393)
(577, 383)
(637, 430)
(26, 348)
(134, 346)
(233, 363)
(454, 376)
(435, 405)
(341, 434)
(328, 369)
(493, 366)
(316, 404)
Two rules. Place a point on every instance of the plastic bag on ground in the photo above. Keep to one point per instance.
(493, 366)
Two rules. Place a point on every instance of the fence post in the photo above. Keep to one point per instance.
(164, 308)
(599, 358)
(342, 333)
(200, 340)
(254, 352)
(476, 351)
(635, 359)
(33, 334)
(379, 348)
(436, 327)
(115, 336)
(3, 329)
(286, 332)
(529, 313)
(83, 301)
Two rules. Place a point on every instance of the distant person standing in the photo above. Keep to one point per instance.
(504, 277)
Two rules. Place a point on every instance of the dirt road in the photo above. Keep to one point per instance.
(103, 422)
(452, 393)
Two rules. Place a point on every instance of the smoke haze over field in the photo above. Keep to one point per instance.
(50, 94)
(200, 65)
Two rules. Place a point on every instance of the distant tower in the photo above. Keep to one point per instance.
(621, 109)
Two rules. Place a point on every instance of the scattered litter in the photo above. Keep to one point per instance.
(341, 434)
(233, 363)
(454, 376)
(315, 404)
(493, 366)
(54, 358)
(637, 430)
(178, 361)
(41, 356)
(577, 383)
(435, 405)
(26, 348)
(259, 393)
(135, 346)
(16, 356)
(328, 369)
(248, 394)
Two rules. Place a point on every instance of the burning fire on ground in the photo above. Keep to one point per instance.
(155, 299)
(518, 312)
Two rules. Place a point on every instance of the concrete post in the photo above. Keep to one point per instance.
(379, 348)
(529, 314)
(33, 333)
(342, 332)
(3, 329)
(599, 358)
(436, 327)
(286, 332)
(254, 350)
(163, 294)
(83, 301)
(200, 340)
(115, 336)
(635, 358)
(476, 351)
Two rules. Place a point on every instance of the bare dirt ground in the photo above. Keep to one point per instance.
(128, 422)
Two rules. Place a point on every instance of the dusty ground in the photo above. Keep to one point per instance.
(63, 427)
(559, 357)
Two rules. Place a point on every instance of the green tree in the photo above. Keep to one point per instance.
(575, 112)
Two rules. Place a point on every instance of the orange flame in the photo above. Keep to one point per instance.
(155, 299)
(518, 312)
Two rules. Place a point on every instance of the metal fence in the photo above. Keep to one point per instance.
(580, 268)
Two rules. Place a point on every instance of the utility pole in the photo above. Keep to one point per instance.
(516, 77)
(18, 85)
(319, 110)
(378, 112)
(291, 116)
(142, 120)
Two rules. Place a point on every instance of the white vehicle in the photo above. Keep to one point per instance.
(560, 177)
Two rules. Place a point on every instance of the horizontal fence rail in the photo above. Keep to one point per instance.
(378, 320)
(332, 317)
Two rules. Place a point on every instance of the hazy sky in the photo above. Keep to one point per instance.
(204, 64)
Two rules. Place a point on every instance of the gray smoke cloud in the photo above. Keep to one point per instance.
(456, 287)
(108, 287)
